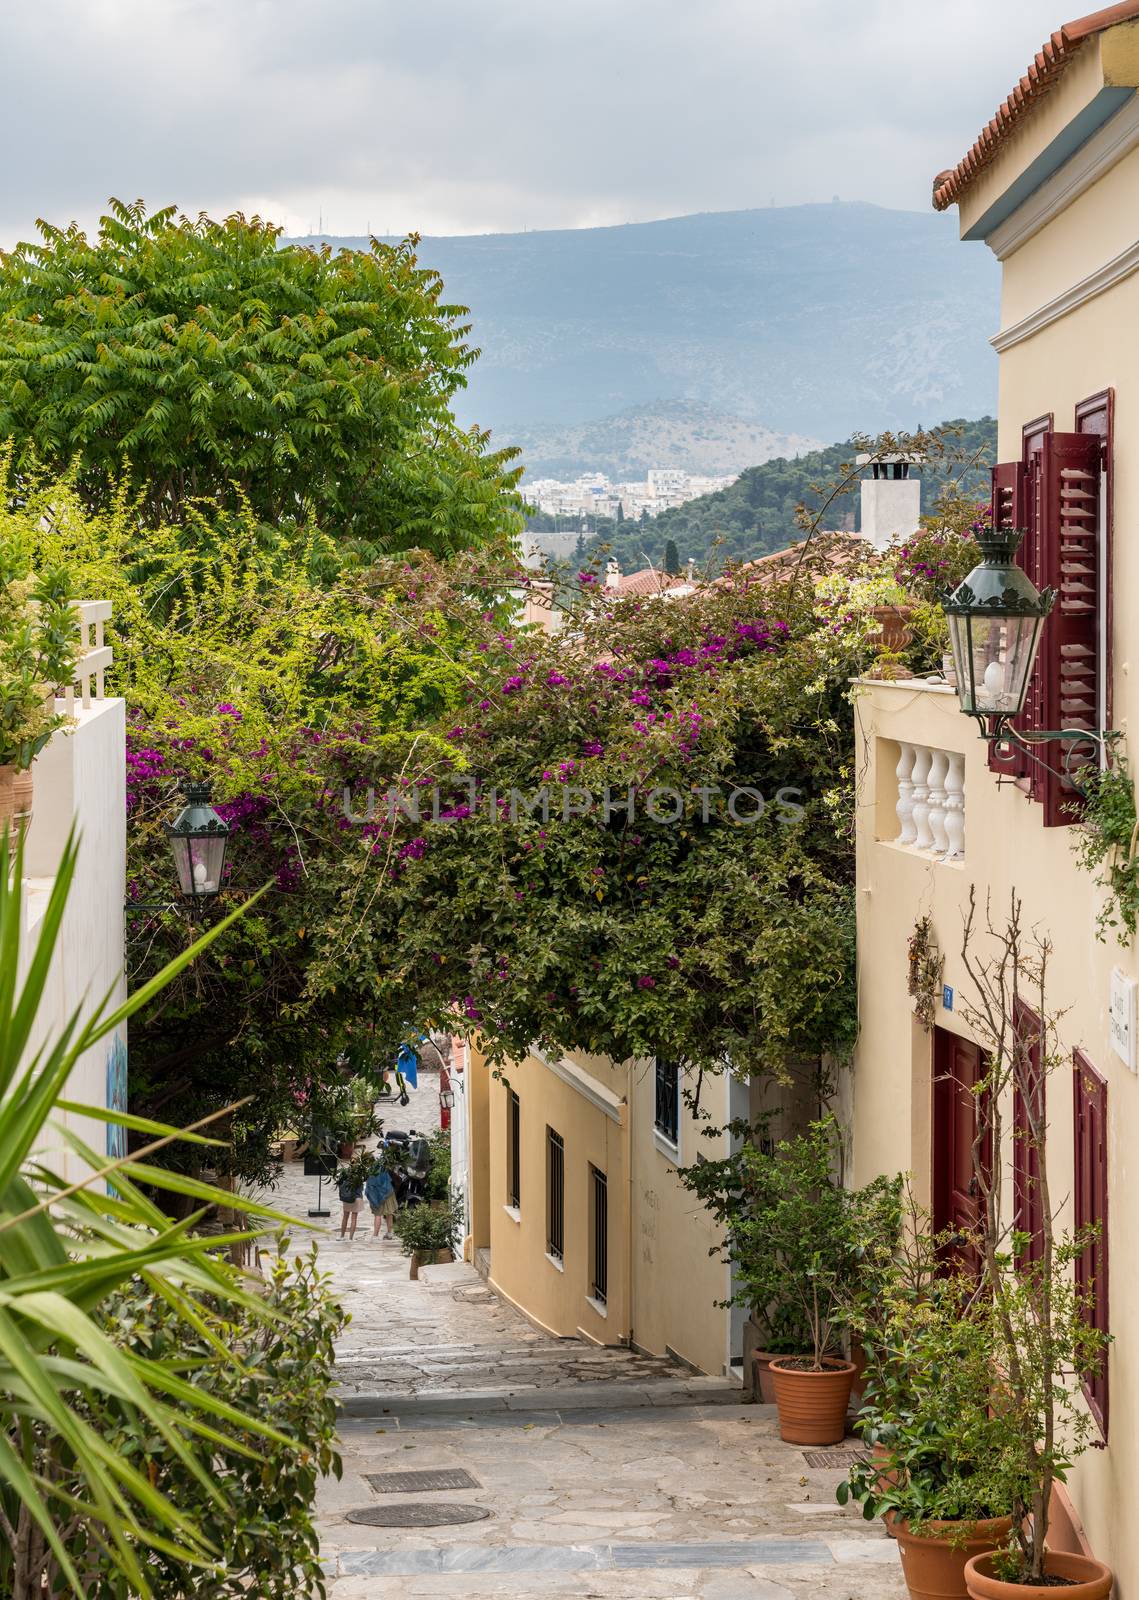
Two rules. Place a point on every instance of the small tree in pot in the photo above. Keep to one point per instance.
(797, 1238)
(1043, 1342)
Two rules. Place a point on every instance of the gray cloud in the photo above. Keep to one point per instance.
(456, 117)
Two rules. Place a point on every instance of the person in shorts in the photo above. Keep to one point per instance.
(351, 1192)
(380, 1194)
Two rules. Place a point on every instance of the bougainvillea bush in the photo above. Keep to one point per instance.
(585, 883)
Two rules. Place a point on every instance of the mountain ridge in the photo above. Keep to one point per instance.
(817, 320)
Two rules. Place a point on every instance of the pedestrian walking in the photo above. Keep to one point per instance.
(379, 1191)
(351, 1191)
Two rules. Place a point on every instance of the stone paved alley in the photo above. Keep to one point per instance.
(605, 1474)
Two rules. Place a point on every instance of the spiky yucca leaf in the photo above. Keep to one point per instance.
(64, 1249)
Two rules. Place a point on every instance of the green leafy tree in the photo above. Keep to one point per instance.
(316, 385)
(671, 556)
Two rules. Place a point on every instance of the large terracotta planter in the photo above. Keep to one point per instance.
(764, 1382)
(1088, 1579)
(812, 1404)
(933, 1562)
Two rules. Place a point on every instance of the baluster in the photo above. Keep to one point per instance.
(938, 768)
(955, 806)
(905, 805)
(922, 836)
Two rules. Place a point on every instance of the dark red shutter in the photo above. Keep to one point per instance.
(1028, 1201)
(1009, 510)
(1091, 1208)
(1096, 415)
(1068, 540)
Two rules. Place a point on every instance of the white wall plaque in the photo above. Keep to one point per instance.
(1121, 1018)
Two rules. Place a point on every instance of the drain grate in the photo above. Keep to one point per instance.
(833, 1458)
(421, 1514)
(420, 1482)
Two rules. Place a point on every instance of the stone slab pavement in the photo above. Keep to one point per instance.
(606, 1475)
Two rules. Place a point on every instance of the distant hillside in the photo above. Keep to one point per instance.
(757, 513)
(809, 320)
(675, 433)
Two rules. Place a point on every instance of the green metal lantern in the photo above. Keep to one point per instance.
(198, 839)
(995, 619)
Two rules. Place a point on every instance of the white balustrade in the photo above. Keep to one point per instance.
(955, 806)
(938, 770)
(905, 806)
(922, 836)
(931, 800)
(94, 656)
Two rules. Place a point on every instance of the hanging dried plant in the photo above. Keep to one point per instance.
(925, 967)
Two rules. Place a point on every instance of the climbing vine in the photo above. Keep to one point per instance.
(1107, 845)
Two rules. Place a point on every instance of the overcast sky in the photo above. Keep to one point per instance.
(451, 116)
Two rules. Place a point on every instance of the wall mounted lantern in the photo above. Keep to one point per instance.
(996, 616)
(199, 839)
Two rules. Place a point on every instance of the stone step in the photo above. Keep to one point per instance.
(545, 1397)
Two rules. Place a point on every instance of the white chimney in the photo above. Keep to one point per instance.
(891, 499)
(612, 575)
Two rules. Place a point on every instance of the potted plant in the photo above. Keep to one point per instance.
(429, 1233)
(38, 650)
(794, 1237)
(1043, 1340)
(940, 1473)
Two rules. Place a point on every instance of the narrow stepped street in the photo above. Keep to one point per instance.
(591, 1472)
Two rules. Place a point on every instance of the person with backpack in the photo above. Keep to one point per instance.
(379, 1190)
(350, 1187)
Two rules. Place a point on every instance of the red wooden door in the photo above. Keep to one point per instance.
(957, 1069)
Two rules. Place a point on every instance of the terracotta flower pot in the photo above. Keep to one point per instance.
(22, 788)
(933, 1562)
(812, 1404)
(894, 634)
(7, 800)
(764, 1382)
(1087, 1579)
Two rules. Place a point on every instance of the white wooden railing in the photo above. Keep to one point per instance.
(94, 657)
(931, 800)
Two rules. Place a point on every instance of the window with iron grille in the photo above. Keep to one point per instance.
(666, 1105)
(555, 1194)
(513, 1157)
(599, 1249)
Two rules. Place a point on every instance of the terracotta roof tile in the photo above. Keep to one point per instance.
(649, 581)
(1051, 60)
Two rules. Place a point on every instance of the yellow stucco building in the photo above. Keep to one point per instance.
(1052, 186)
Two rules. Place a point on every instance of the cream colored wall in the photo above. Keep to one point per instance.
(676, 1282)
(1006, 849)
(1094, 229)
(663, 1286)
(80, 782)
(557, 1297)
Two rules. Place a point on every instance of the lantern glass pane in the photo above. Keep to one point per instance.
(994, 657)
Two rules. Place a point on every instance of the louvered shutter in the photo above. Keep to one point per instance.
(1091, 1209)
(1028, 1200)
(1010, 510)
(1067, 547)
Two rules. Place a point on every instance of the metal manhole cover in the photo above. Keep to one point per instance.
(418, 1514)
(421, 1482)
(833, 1458)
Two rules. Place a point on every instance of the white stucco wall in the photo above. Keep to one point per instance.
(80, 779)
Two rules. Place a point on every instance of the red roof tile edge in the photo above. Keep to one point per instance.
(1050, 62)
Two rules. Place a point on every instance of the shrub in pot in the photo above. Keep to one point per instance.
(429, 1232)
(38, 648)
(795, 1237)
(941, 1472)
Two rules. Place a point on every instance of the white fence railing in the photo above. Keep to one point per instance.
(931, 800)
(94, 657)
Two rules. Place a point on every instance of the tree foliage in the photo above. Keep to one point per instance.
(317, 386)
(760, 512)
